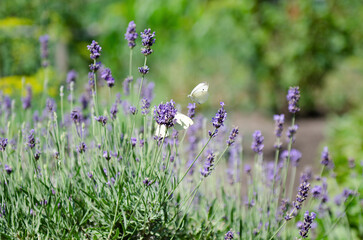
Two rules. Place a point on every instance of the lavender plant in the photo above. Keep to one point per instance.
(100, 173)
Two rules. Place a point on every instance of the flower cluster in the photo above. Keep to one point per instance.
(232, 136)
(295, 156)
(107, 76)
(94, 49)
(293, 97)
(76, 116)
(102, 120)
(145, 105)
(8, 169)
(291, 131)
(44, 49)
(147, 182)
(229, 235)
(208, 165)
(131, 34)
(82, 147)
(302, 194)
(31, 139)
(147, 39)
(144, 70)
(71, 76)
(305, 227)
(164, 114)
(114, 111)
(191, 110)
(257, 143)
(279, 124)
(3, 143)
(27, 100)
(325, 158)
(220, 117)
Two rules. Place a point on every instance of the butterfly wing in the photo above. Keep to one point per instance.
(200, 93)
(182, 121)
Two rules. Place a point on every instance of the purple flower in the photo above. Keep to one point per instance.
(191, 110)
(247, 168)
(126, 85)
(279, 124)
(147, 89)
(37, 154)
(107, 156)
(50, 104)
(82, 147)
(147, 40)
(228, 236)
(131, 34)
(8, 169)
(147, 182)
(133, 142)
(44, 49)
(295, 156)
(220, 117)
(326, 159)
(302, 194)
(31, 139)
(232, 136)
(76, 116)
(114, 111)
(164, 114)
(71, 76)
(291, 131)
(144, 70)
(208, 165)
(316, 191)
(27, 100)
(91, 80)
(95, 66)
(90, 175)
(347, 193)
(102, 120)
(132, 110)
(84, 100)
(293, 96)
(3, 143)
(107, 76)
(257, 143)
(145, 105)
(94, 49)
(308, 220)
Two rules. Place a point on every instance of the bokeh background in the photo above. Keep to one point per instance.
(249, 51)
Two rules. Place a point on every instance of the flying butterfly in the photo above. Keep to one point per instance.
(200, 93)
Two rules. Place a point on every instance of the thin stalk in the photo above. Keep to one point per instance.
(288, 160)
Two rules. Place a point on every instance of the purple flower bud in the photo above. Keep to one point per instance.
(326, 159)
(27, 100)
(37, 154)
(133, 142)
(228, 236)
(71, 76)
(101, 119)
(132, 110)
(44, 49)
(94, 49)
(126, 85)
(131, 34)
(82, 147)
(301, 195)
(3, 143)
(308, 220)
(293, 96)
(95, 66)
(90, 175)
(247, 168)
(232, 136)
(147, 39)
(144, 70)
(107, 156)
(291, 131)
(295, 156)
(114, 111)
(147, 182)
(145, 105)
(31, 139)
(8, 169)
(257, 143)
(164, 114)
(316, 191)
(76, 116)
(279, 124)
(107, 76)
(220, 117)
(208, 165)
(191, 110)
(50, 104)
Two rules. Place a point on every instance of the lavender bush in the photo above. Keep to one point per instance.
(88, 170)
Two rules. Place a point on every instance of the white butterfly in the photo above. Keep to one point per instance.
(161, 131)
(200, 93)
(182, 121)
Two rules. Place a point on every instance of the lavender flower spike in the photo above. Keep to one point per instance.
(144, 70)
(44, 49)
(71, 76)
(27, 101)
(257, 143)
(31, 139)
(293, 97)
(302, 194)
(164, 114)
(308, 220)
(131, 34)
(220, 117)
(107, 76)
(3, 144)
(94, 49)
(145, 105)
(279, 124)
(232, 136)
(229, 235)
(191, 110)
(325, 157)
(147, 39)
(102, 120)
(208, 165)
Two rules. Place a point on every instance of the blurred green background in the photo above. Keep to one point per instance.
(249, 51)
